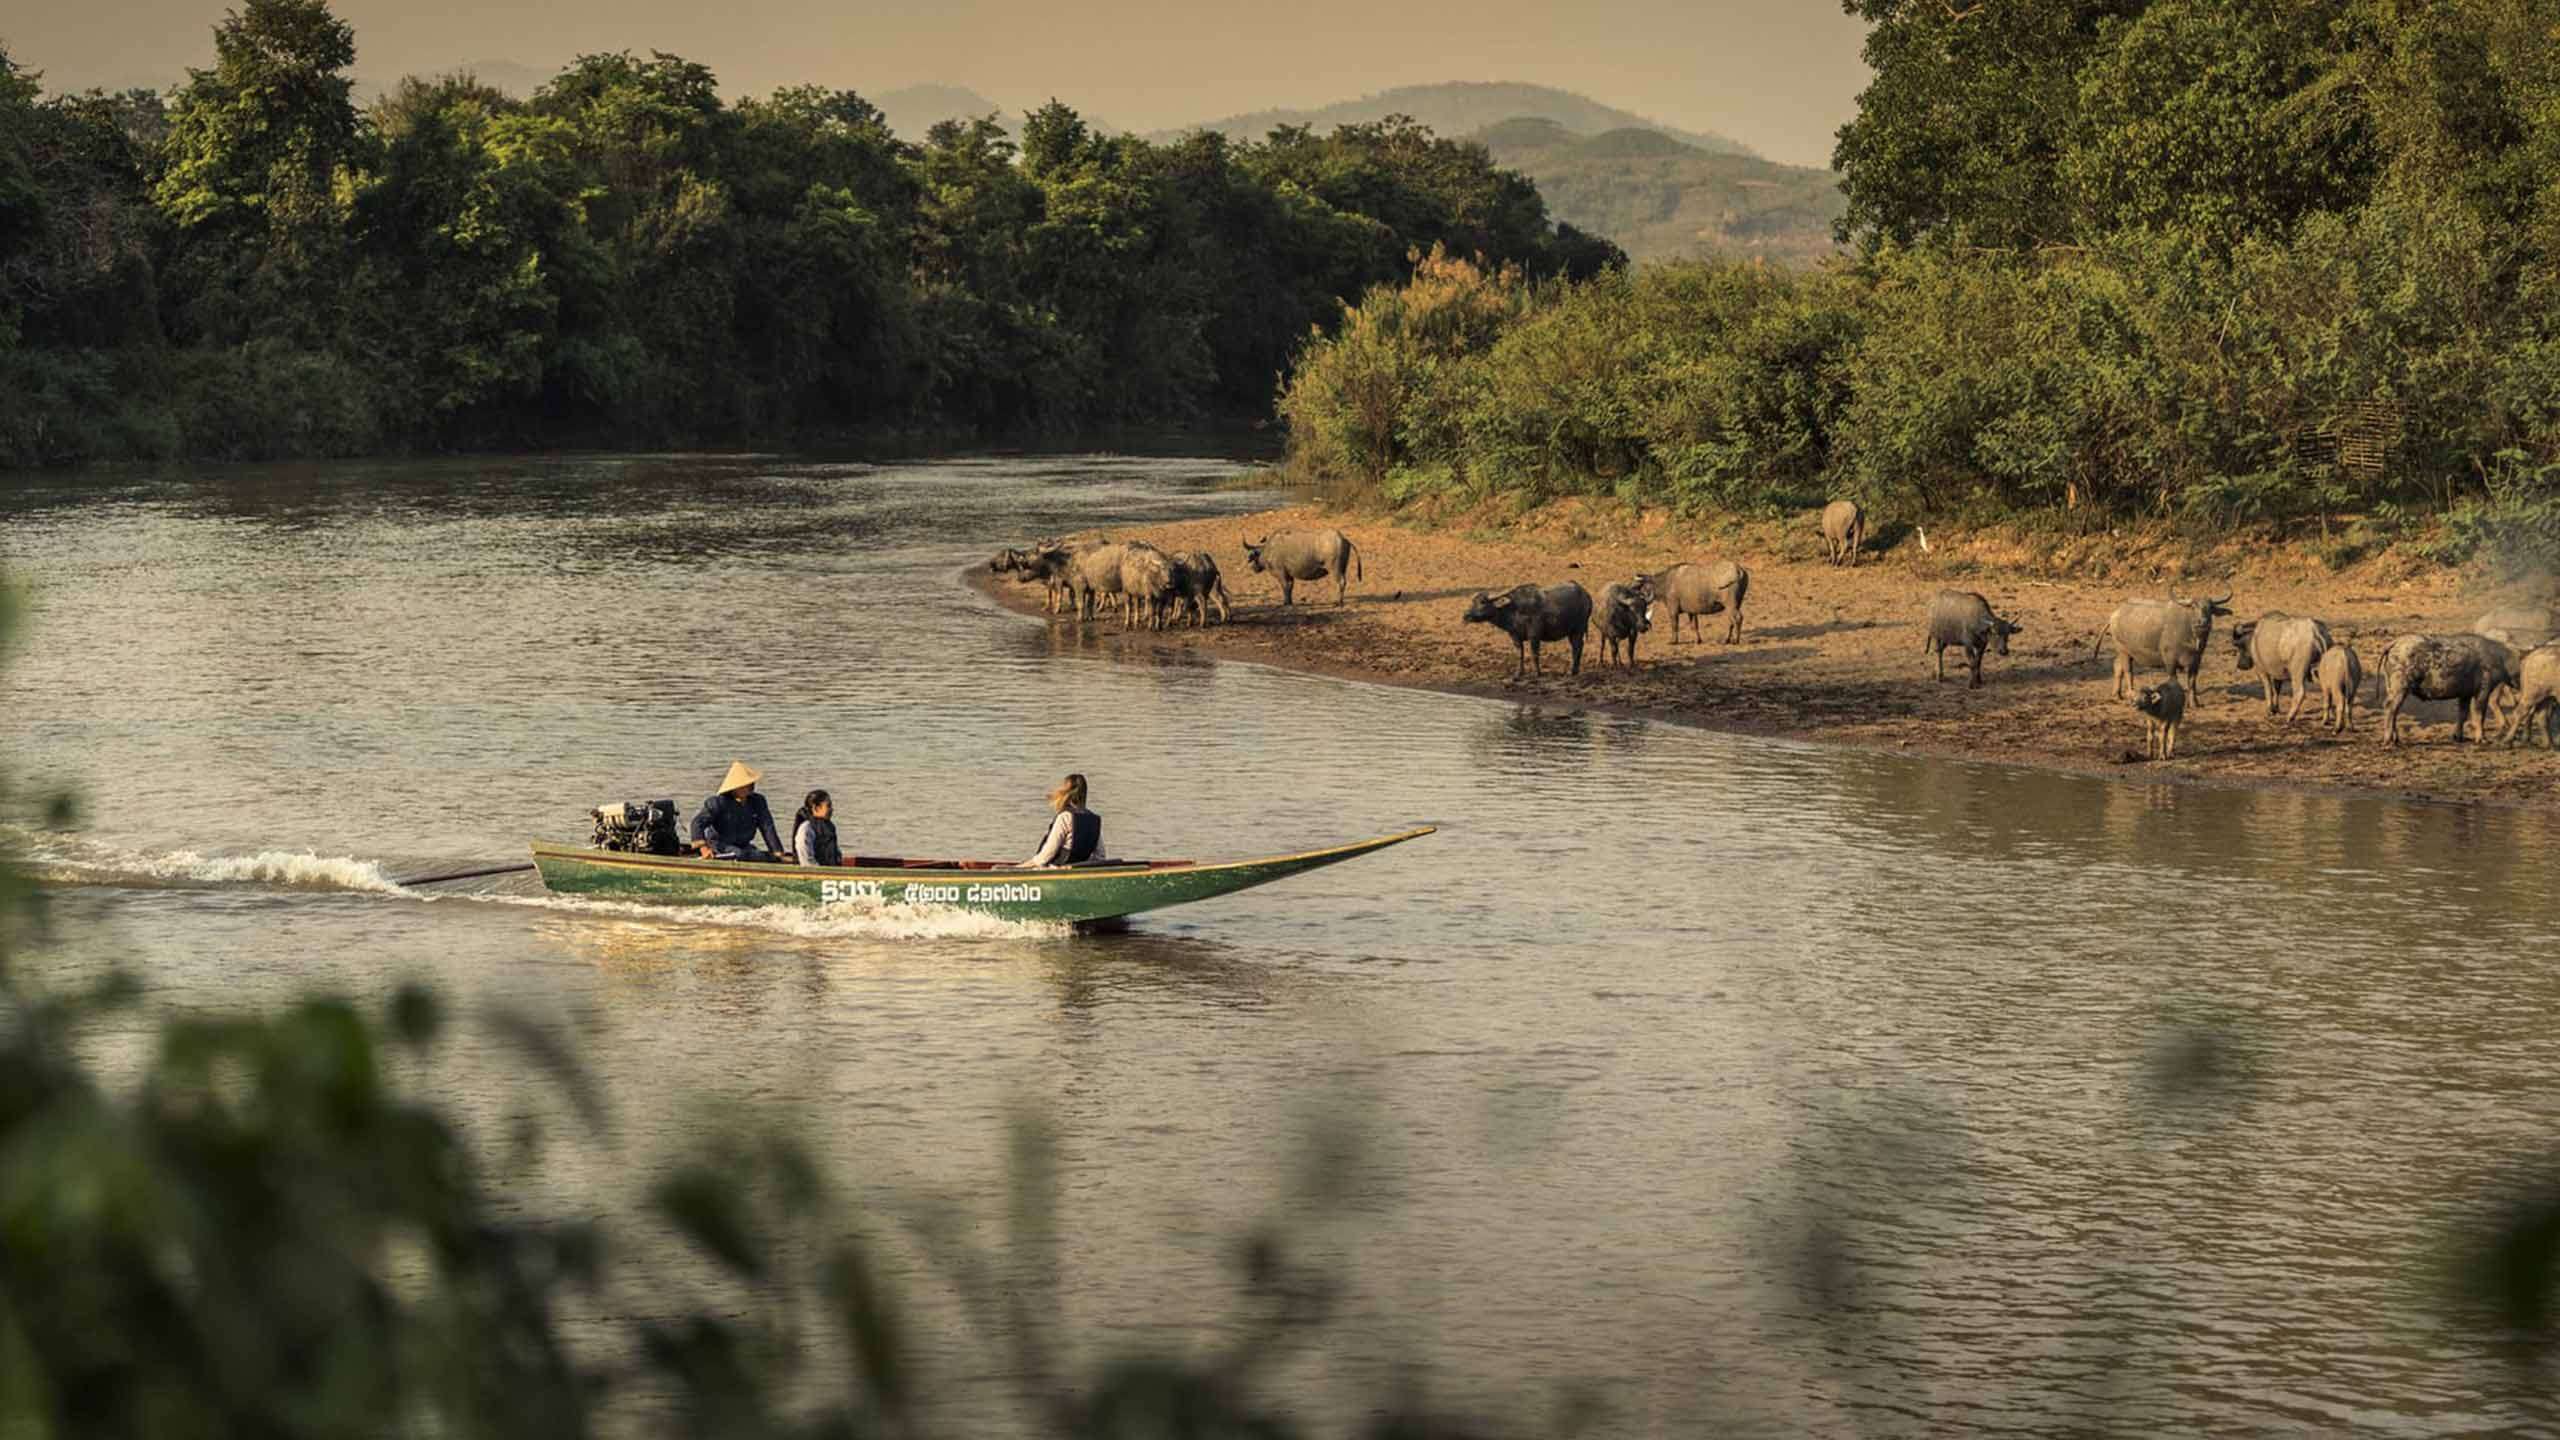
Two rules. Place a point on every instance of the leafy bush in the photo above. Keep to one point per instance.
(2515, 529)
(1685, 385)
(2380, 357)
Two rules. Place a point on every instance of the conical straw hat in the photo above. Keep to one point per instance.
(739, 775)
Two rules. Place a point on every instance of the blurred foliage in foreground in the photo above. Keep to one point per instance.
(2115, 257)
(263, 1234)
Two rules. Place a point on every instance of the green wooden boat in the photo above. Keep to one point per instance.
(1081, 894)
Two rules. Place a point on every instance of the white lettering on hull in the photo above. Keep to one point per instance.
(874, 892)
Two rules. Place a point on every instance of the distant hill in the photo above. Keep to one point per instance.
(914, 109)
(505, 76)
(1661, 198)
(1466, 107)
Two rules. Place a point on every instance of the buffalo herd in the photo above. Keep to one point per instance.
(2507, 652)
(1147, 586)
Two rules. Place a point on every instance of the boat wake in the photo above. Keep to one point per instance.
(52, 858)
(831, 922)
(57, 859)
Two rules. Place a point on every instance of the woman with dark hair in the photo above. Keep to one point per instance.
(1076, 835)
(813, 831)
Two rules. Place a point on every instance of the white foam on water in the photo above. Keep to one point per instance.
(74, 860)
(293, 868)
(68, 859)
(808, 922)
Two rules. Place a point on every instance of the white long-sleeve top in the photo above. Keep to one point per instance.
(1055, 847)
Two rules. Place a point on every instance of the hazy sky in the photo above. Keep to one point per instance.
(1780, 75)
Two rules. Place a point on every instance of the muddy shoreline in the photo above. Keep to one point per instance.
(1833, 655)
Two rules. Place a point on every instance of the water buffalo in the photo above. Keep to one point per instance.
(1844, 531)
(1695, 590)
(2518, 628)
(1146, 585)
(2162, 706)
(1196, 583)
(1625, 611)
(1295, 555)
(1964, 620)
(2341, 676)
(2166, 635)
(2469, 669)
(2282, 649)
(2538, 678)
(1093, 574)
(1049, 562)
(1531, 617)
(1012, 560)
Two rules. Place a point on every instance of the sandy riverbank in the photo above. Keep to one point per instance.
(1834, 655)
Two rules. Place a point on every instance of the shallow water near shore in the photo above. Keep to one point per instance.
(1757, 1086)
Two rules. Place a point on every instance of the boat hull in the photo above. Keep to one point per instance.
(1080, 895)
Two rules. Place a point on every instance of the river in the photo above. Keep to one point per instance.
(1744, 1086)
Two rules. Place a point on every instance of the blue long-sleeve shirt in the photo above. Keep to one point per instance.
(732, 826)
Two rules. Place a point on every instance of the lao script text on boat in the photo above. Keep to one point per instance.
(1076, 894)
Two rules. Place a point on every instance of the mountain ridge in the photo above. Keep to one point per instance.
(1463, 107)
(1658, 191)
(1662, 199)
(911, 110)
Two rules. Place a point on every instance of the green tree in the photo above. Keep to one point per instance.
(2194, 115)
(260, 269)
(22, 209)
(649, 330)
(826, 199)
(473, 203)
(255, 168)
(1426, 191)
(1962, 131)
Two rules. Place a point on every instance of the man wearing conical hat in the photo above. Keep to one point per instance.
(729, 823)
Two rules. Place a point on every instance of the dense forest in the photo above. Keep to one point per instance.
(2272, 259)
(254, 265)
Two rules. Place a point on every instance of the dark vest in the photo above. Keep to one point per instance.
(1084, 836)
(822, 840)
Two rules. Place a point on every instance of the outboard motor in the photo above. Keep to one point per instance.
(642, 827)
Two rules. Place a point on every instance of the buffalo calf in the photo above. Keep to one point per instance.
(1625, 611)
(2162, 706)
(2341, 676)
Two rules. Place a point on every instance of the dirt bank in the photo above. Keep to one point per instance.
(1834, 655)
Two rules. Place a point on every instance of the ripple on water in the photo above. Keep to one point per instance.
(1778, 1087)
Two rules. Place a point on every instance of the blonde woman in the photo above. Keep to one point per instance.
(1076, 835)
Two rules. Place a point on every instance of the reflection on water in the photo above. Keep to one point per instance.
(1778, 1089)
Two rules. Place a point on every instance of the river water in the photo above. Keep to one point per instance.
(1743, 1086)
